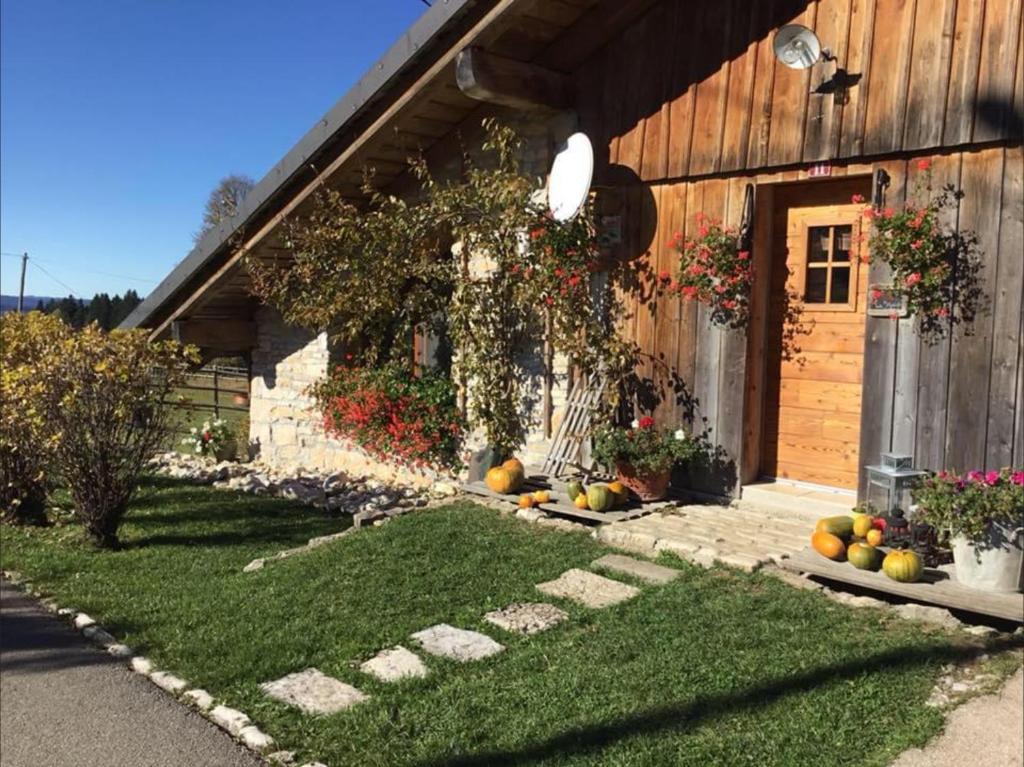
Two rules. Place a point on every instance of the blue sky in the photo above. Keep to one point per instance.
(118, 117)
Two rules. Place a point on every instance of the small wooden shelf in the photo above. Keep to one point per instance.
(937, 586)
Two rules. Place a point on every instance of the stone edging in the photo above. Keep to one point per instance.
(234, 722)
(360, 520)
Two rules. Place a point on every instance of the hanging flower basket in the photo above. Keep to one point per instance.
(714, 271)
(935, 268)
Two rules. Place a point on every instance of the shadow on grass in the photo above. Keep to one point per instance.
(704, 710)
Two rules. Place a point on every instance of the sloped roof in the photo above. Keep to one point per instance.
(420, 42)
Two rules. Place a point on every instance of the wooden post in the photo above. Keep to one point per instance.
(549, 363)
(216, 395)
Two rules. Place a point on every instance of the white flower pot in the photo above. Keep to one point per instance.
(995, 564)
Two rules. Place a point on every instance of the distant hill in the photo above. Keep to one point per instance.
(10, 303)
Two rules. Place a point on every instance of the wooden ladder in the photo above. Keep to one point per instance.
(567, 448)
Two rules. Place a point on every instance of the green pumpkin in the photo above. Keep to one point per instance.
(841, 527)
(600, 498)
(862, 556)
(573, 489)
(903, 566)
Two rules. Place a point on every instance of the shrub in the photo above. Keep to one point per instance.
(103, 404)
(26, 446)
(393, 414)
(967, 504)
(647, 449)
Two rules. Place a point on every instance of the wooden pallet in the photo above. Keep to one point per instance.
(560, 504)
(937, 586)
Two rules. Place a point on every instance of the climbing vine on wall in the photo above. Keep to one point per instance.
(369, 274)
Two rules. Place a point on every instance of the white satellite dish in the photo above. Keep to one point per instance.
(571, 174)
(796, 46)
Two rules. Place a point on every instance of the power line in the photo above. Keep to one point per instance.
(89, 271)
(70, 289)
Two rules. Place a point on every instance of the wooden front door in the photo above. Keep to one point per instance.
(815, 338)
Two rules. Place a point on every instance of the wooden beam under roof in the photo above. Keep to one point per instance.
(498, 80)
(225, 335)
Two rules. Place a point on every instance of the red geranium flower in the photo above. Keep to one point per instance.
(646, 422)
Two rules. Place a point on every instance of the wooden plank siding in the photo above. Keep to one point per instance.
(939, 79)
(698, 81)
(955, 402)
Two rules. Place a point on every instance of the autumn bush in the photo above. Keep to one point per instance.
(85, 407)
(26, 444)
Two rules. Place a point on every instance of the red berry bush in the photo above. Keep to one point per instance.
(394, 414)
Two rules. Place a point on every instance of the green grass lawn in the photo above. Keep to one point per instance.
(717, 668)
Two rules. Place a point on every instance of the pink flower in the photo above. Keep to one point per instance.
(916, 244)
(992, 478)
(743, 255)
(924, 164)
(1017, 478)
(857, 199)
(912, 279)
(876, 294)
(942, 311)
(975, 476)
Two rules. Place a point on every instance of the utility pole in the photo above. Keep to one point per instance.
(21, 290)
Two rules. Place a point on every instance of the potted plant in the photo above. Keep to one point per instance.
(983, 515)
(643, 455)
(213, 438)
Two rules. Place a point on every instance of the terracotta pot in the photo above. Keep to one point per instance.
(646, 487)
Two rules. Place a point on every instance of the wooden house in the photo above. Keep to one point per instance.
(687, 106)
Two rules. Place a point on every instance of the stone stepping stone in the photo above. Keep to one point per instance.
(645, 571)
(457, 644)
(394, 664)
(588, 588)
(313, 692)
(527, 617)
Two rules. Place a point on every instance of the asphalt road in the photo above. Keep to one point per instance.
(64, 703)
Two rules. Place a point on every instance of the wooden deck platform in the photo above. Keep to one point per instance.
(937, 587)
(560, 504)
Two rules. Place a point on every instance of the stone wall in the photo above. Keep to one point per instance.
(284, 425)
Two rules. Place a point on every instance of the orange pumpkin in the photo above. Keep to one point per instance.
(542, 496)
(515, 467)
(526, 501)
(500, 480)
(874, 537)
(580, 501)
(829, 546)
(620, 491)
